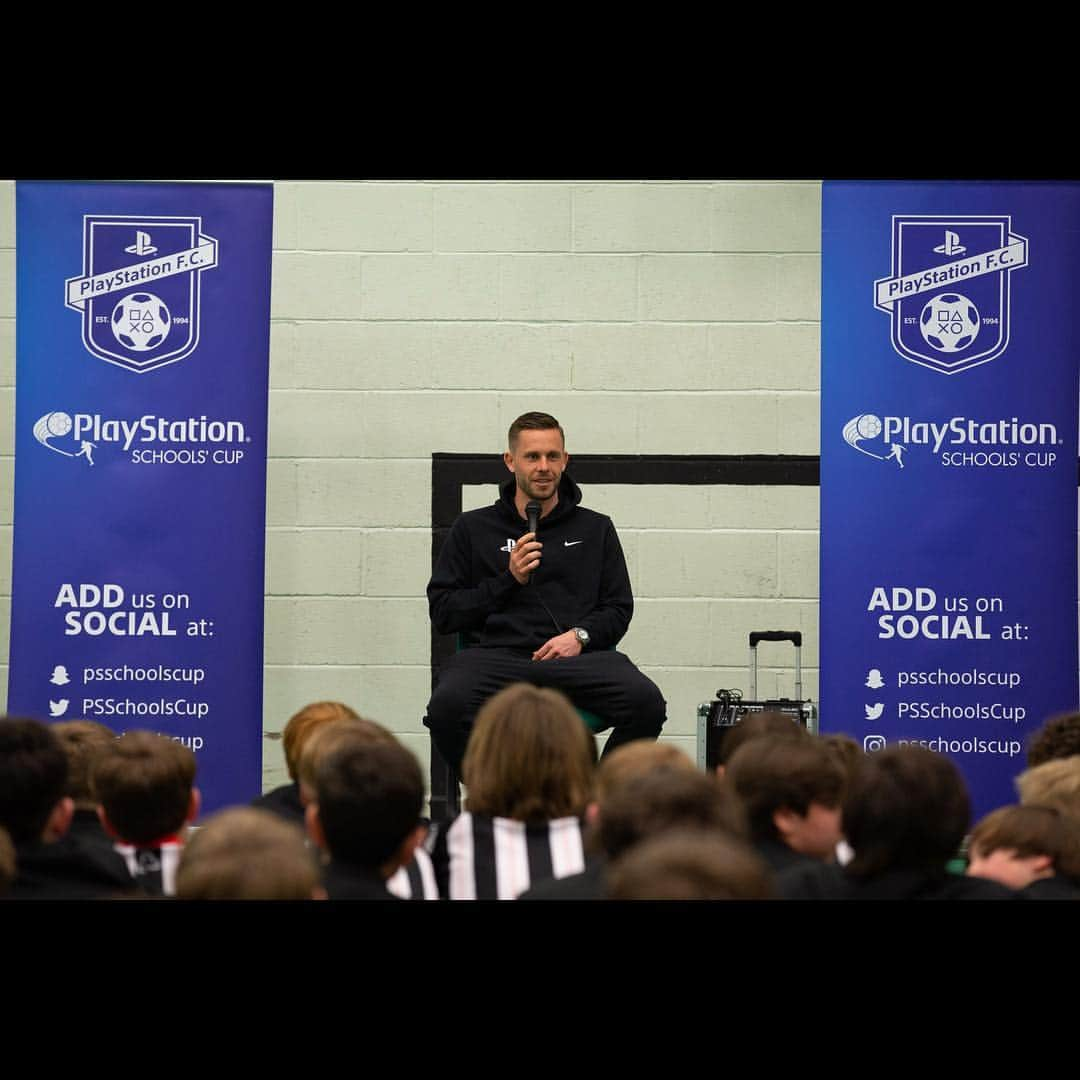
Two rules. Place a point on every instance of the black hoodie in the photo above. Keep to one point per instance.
(581, 580)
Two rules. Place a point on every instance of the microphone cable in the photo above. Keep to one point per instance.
(532, 517)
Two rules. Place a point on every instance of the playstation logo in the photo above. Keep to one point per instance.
(55, 425)
(142, 245)
(932, 325)
(952, 245)
(869, 426)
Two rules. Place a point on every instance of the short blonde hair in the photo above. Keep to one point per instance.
(634, 759)
(689, 864)
(529, 757)
(246, 854)
(1054, 783)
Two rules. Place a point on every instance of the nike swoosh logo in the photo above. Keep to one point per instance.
(571, 543)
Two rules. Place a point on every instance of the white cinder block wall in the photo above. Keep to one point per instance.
(417, 317)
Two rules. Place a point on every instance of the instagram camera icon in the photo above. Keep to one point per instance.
(873, 742)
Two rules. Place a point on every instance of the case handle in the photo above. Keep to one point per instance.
(794, 636)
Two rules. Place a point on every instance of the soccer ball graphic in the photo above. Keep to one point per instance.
(141, 321)
(57, 423)
(52, 425)
(949, 322)
(868, 426)
(863, 426)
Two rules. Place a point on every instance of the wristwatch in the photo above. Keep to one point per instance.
(582, 636)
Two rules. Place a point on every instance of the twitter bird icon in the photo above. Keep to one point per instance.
(58, 708)
(873, 712)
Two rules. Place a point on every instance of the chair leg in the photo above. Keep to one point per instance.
(445, 789)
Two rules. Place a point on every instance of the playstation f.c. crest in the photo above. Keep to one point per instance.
(139, 291)
(948, 295)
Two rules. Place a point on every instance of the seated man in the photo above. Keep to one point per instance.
(544, 607)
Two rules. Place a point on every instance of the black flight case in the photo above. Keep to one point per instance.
(729, 707)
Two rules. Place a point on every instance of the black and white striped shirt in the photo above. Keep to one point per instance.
(415, 880)
(477, 857)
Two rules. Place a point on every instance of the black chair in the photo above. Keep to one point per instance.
(445, 781)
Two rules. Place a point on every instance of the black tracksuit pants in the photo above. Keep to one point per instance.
(605, 682)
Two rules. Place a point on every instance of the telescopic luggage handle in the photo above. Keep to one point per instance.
(794, 636)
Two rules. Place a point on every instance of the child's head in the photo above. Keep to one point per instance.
(791, 790)
(247, 854)
(908, 808)
(369, 795)
(33, 772)
(304, 724)
(529, 758)
(1059, 737)
(1017, 845)
(82, 741)
(144, 784)
(1054, 783)
(324, 740)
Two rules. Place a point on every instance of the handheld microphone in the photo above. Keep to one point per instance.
(532, 515)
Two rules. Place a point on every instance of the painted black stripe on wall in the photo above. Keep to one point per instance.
(451, 472)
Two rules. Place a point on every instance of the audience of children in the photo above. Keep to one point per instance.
(89, 814)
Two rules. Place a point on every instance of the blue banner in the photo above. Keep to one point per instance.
(142, 358)
(949, 353)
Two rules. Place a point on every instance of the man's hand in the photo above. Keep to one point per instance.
(525, 557)
(564, 645)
